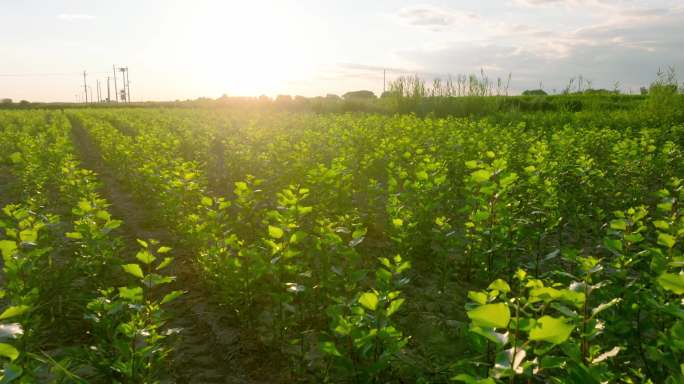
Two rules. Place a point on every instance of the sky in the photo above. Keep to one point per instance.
(200, 48)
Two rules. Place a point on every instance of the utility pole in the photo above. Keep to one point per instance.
(99, 99)
(109, 97)
(116, 90)
(85, 87)
(128, 85)
(384, 77)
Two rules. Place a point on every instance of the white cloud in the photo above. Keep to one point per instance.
(75, 16)
(430, 16)
(628, 45)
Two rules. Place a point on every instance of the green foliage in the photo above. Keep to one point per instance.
(128, 323)
(364, 342)
(283, 216)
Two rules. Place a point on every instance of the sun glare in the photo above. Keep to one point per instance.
(247, 50)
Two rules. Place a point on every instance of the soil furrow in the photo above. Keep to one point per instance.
(208, 349)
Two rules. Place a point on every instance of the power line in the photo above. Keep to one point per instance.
(46, 74)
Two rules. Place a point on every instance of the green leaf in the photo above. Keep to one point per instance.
(28, 235)
(133, 269)
(85, 206)
(15, 157)
(275, 232)
(551, 329)
(172, 296)
(471, 380)
(14, 311)
(666, 240)
(163, 250)
(154, 279)
(422, 175)
(397, 223)
(207, 201)
(298, 237)
(614, 245)
(672, 282)
(329, 348)
(8, 351)
(490, 315)
(478, 297)
(164, 263)
(471, 164)
(394, 306)
(491, 335)
(133, 294)
(369, 300)
(145, 257)
(661, 224)
(7, 247)
(74, 235)
(620, 225)
(500, 285)
(480, 176)
(11, 372)
(142, 243)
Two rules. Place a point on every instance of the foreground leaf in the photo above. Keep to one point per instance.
(133, 269)
(369, 300)
(8, 351)
(14, 311)
(551, 329)
(672, 282)
(490, 315)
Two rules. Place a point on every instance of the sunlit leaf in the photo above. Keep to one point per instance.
(133, 294)
(481, 175)
(171, 296)
(145, 257)
(133, 269)
(672, 282)
(478, 297)
(74, 235)
(275, 232)
(394, 306)
(499, 285)
(329, 348)
(8, 247)
(551, 329)
(369, 300)
(666, 240)
(164, 263)
(164, 249)
(8, 351)
(14, 311)
(490, 315)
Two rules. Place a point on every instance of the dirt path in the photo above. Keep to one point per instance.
(209, 349)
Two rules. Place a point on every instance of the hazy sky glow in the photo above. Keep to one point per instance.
(188, 49)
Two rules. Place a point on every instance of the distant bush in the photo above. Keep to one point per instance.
(363, 94)
(534, 92)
